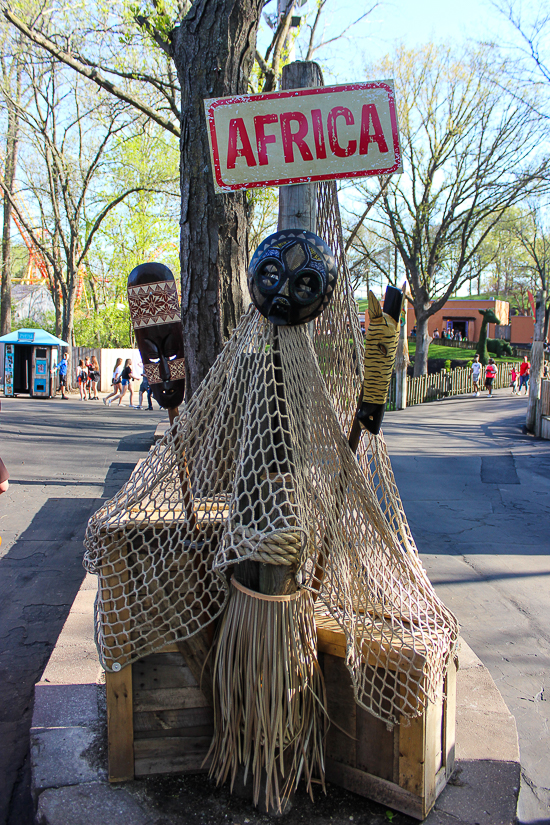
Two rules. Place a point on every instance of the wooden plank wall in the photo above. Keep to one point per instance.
(404, 767)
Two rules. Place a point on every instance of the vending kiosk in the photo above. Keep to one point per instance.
(29, 357)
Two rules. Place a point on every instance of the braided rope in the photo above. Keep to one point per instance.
(282, 548)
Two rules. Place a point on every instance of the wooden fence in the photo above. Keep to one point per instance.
(456, 382)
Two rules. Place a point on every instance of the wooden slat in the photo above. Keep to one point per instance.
(162, 676)
(372, 787)
(377, 652)
(192, 731)
(341, 708)
(375, 746)
(412, 745)
(166, 720)
(168, 699)
(175, 755)
(449, 720)
(120, 725)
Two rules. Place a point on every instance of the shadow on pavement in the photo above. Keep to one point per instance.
(40, 576)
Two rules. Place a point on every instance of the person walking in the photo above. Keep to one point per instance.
(116, 382)
(88, 368)
(524, 370)
(94, 378)
(62, 368)
(490, 372)
(81, 377)
(476, 372)
(514, 379)
(126, 379)
(145, 387)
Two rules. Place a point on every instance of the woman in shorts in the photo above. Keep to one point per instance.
(81, 377)
(116, 382)
(490, 372)
(94, 378)
(126, 379)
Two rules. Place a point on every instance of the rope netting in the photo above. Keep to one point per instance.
(258, 467)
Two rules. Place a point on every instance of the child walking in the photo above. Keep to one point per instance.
(490, 372)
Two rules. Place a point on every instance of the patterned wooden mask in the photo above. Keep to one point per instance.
(155, 312)
(291, 277)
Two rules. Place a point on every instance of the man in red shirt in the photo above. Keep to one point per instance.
(524, 375)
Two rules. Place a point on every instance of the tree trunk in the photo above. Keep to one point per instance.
(213, 51)
(537, 361)
(423, 342)
(9, 178)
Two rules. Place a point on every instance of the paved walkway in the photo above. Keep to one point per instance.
(64, 457)
(476, 492)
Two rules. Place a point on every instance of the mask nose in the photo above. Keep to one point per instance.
(164, 369)
(285, 289)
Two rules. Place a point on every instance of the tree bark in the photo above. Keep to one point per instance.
(537, 361)
(423, 341)
(9, 179)
(213, 51)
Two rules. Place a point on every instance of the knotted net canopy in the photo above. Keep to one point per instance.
(257, 466)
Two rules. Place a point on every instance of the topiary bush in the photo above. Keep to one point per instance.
(448, 365)
(498, 347)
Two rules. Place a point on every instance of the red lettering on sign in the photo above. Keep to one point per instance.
(237, 131)
(339, 151)
(318, 134)
(369, 115)
(290, 137)
(261, 138)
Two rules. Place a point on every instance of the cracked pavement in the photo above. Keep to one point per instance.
(476, 491)
(64, 460)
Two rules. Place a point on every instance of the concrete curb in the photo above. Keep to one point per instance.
(69, 779)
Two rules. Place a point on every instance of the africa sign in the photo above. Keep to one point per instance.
(303, 135)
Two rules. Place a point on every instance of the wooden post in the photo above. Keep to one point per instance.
(401, 364)
(297, 210)
(297, 202)
(532, 419)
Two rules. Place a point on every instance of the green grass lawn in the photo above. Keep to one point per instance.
(456, 353)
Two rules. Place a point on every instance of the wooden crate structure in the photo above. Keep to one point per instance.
(405, 767)
(158, 718)
(160, 721)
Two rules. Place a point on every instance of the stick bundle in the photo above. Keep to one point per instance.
(269, 694)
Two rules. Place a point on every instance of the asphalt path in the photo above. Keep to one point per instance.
(476, 491)
(65, 458)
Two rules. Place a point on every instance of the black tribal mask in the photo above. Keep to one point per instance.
(291, 277)
(155, 312)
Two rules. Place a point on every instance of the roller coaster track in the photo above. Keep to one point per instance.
(21, 216)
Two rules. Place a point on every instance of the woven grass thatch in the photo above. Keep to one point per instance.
(269, 695)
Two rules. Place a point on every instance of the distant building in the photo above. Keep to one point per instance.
(462, 315)
(31, 301)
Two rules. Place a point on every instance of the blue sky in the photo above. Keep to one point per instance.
(410, 21)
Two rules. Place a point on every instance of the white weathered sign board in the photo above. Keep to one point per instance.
(303, 135)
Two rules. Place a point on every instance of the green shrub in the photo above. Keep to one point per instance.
(448, 365)
(498, 347)
(468, 365)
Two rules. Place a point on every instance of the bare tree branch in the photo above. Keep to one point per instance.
(90, 73)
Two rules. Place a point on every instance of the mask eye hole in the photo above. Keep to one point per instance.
(307, 287)
(268, 276)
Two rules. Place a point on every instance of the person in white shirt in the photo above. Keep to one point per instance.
(117, 384)
(476, 373)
